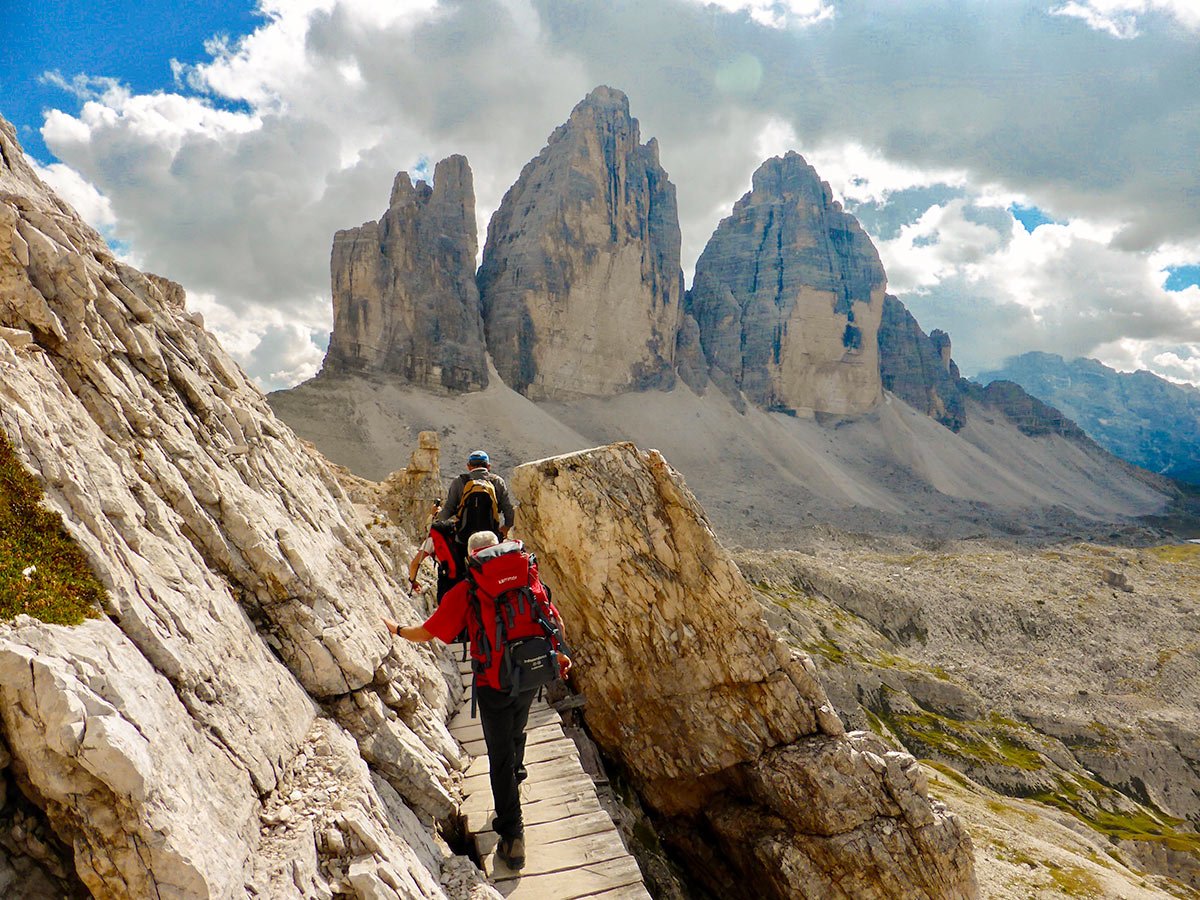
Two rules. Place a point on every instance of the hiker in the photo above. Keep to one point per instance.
(514, 650)
(477, 498)
(441, 545)
(424, 553)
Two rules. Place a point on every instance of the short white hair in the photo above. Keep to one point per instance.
(481, 539)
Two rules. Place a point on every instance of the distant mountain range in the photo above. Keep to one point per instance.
(1143, 419)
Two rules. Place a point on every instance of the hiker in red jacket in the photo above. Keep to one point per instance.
(498, 642)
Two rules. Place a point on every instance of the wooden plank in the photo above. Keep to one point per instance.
(564, 790)
(628, 892)
(540, 859)
(539, 711)
(573, 883)
(480, 813)
(535, 753)
(562, 828)
(546, 770)
(465, 729)
(538, 735)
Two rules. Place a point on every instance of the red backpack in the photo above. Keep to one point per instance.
(511, 621)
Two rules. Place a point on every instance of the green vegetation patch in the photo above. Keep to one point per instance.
(1176, 553)
(1125, 826)
(980, 742)
(1075, 881)
(43, 573)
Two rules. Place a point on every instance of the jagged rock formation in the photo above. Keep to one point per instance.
(788, 296)
(1143, 419)
(176, 742)
(917, 367)
(580, 282)
(717, 722)
(404, 294)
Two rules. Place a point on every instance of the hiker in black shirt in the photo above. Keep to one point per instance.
(479, 468)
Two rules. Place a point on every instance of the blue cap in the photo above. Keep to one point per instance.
(480, 457)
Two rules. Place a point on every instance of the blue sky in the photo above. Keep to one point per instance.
(131, 41)
(1027, 169)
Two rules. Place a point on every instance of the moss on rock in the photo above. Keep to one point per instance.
(43, 572)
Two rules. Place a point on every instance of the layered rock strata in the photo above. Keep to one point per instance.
(580, 282)
(723, 730)
(788, 296)
(241, 588)
(917, 367)
(404, 294)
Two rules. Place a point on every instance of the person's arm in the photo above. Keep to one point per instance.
(414, 567)
(505, 504)
(416, 633)
(453, 496)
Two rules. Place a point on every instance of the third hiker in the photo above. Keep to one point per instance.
(477, 499)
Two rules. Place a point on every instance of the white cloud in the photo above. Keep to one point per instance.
(777, 13)
(234, 182)
(93, 206)
(1121, 18)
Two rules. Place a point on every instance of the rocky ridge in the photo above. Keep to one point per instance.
(788, 296)
(580, 281)
(727, 735)
(1137, 416)
(404, 296)
(240, 640)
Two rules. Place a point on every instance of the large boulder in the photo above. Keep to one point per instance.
(788, 295)
(580, 282)
(728, 736)
(404, 295)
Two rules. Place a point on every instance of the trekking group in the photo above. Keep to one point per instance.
(488, 589)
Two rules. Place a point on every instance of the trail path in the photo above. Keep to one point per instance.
(572, 847)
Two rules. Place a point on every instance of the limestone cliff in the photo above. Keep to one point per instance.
(581, 282)
(788, 296)
(917, 367)
(209, 734)
(727, 735)
(404, 294)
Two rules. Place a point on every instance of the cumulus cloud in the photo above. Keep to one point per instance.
(924, 118)
(1120, 18)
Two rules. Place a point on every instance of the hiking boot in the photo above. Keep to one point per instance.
(522, 774)
(512, 852)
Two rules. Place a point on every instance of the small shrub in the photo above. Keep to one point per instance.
(43, 572)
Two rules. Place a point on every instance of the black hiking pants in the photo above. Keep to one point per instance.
(503, 718)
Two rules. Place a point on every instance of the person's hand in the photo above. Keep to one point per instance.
(564, 665)
(392, 627)
(416, 587)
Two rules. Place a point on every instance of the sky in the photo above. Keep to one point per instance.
(1028, 169)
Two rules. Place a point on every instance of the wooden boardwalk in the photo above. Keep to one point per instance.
(572, 847)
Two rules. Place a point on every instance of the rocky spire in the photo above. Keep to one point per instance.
(917, 367)
(581, 283)
(788, 295)
(404, 295)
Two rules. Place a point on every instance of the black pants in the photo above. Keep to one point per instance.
(503, 718)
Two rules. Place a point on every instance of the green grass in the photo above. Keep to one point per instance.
(1176, 553)
(979, 742)
(1125, 826)
(60, 586)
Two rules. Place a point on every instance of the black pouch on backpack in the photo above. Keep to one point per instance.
(529, 663)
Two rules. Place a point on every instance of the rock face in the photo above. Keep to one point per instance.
(404, 294)
(157, 738)
(917, 367)
(726, 734)
(788, 296)
(580, 282)
(1137, 416)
